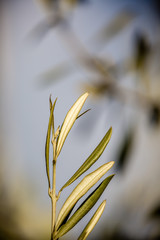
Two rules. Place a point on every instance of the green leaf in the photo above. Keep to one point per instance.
(83, 113)
(66, 218)
(69, 121)
(91, 224)
(50, 124)
(84, 208)
(50, 103)
(91, 159)
(81, 189)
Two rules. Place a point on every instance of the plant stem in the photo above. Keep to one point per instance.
(54, 198)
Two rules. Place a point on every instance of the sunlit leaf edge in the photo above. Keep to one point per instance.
(84, 208)
(81, 189)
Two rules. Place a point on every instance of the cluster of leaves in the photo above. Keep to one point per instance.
(64, 221)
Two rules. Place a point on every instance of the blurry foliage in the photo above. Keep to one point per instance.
(115, 27)
(142, 50)
(155, 213)
(104, 82)
(105, 74)
(9, 227)
(154, 216)
(154, 115)
(125, 150)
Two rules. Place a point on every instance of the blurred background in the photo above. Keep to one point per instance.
(64, 48)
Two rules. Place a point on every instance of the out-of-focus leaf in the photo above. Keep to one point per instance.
(142, 53)
(47, 4)
(99, 88)
(57, 73)
(154, 115)
(38, 32)
(87, 230)
(125, 149)
(142, 49)
(91, 159)
(114, 27)
(69, 121)
(103, 65)
(84, 208)
(43, 27)
(87, 182)
(155, 213)
(71, 2)
(50, 124)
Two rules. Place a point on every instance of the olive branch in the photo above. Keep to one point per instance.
(64, 221)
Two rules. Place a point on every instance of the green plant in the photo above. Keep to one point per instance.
(64, 222)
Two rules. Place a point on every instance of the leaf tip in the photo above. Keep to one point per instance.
(85, 95)
(111, 163)
(112, 175)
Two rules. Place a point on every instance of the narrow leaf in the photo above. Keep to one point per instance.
(50, 103)
(83, 113)
(91, 159)
(66, 218)
(84, 208)
(81, 189)
(69, 121)
(91, 224)
(50, 124)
